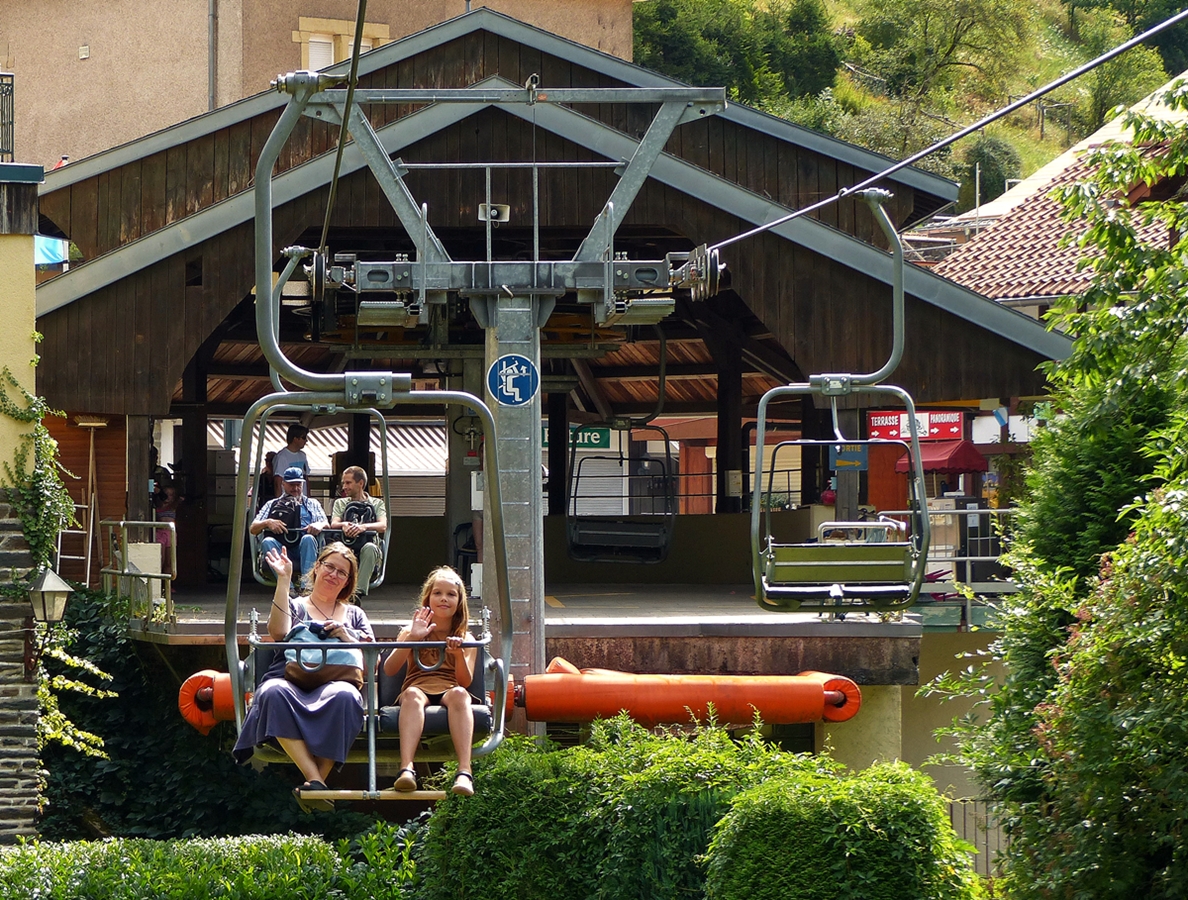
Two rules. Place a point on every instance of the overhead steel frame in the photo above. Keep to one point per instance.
(511, 300)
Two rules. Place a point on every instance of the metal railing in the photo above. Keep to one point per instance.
(982, 532)
(123, 577)
(7, 117)
(975, 822)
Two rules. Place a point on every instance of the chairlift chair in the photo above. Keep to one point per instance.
(379, 742)
(854, 572)
(643, 538)
(860, 563)
(330, 394)
(292, 536)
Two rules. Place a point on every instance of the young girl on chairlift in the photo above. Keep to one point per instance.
(441, 616)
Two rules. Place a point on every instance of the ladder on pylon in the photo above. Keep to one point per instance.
(85, 513)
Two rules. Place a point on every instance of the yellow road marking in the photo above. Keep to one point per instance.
(554, 602)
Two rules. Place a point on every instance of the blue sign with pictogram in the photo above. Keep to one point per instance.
(848, 456)
(513, 380)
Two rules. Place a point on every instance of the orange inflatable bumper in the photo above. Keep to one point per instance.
(205, 699)
(567, 694)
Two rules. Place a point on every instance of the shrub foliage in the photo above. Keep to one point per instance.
(1085, 745)
(883, 834)
(255, 868)
(632, 815)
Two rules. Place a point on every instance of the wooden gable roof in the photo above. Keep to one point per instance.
(165, 223)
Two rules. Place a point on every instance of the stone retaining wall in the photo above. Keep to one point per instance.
(19, 762)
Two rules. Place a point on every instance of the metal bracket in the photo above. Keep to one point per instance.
(375, 388)
(834, 385)
(433, 273)
(700, 272)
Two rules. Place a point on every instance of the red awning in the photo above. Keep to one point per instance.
(948, 458)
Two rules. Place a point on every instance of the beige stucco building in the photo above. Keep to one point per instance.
(92, 74)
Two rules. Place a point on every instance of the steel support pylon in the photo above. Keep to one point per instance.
(514, 329)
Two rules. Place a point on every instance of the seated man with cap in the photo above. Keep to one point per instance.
(283, 516)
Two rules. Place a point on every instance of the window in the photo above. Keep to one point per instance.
(321, 51)
(325, 42)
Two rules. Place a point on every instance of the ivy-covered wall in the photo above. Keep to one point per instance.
(19, 761)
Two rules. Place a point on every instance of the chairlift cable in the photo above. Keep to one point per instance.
(352, 78)
(953, 138)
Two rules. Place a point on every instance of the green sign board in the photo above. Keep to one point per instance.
(597, 438)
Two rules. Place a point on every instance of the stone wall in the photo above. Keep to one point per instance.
(19, 762)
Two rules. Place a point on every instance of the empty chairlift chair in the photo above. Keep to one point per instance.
(850, 564)
(645, 485)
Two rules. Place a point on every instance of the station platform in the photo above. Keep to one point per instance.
(675, 628)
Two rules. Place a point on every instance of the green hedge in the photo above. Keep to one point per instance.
(883, 833)
(375, 866)
(162, 779)
(632, 814)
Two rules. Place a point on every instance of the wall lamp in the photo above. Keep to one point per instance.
(48, 594)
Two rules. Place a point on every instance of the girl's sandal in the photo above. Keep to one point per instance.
(463, 788)
(407, 780)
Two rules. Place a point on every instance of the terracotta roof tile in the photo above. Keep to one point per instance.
(1020, 254)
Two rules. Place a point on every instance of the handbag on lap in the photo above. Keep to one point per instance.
(317, 667)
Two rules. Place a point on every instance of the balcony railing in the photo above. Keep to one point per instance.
(965, 549)
(7, 116)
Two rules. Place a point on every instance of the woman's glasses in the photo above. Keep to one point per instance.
(334, 570)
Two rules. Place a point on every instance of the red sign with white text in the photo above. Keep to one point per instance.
(932, 425)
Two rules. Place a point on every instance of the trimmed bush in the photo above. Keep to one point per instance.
(374, 865)
(631, 815)
(880, 834)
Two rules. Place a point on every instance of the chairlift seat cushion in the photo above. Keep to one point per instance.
(437, 720)
(842, 562)
(618, 533)
(436, 717)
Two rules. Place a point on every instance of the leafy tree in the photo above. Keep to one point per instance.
(997, 160)
(1141, 15)
(1086, 746)
(919, 47)
(759, 50)
(1122, 81)
(898, 130)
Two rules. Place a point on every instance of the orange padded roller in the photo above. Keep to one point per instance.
(564, 694)
(205, 699)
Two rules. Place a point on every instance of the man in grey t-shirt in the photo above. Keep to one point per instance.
(292, 454)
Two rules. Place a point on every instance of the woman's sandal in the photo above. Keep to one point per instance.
(406, 780)
(309, 804)
(463, 788)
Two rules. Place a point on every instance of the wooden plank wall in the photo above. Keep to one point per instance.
(128, 202)
(122, 349)
(110, 467)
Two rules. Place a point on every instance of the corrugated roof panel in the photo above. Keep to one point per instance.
(413, 449)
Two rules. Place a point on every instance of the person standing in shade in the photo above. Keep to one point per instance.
(292, 454)
(311, 521)
(354, 489)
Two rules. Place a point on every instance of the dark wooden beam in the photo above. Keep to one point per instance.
(652, 372)
(593, 391)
